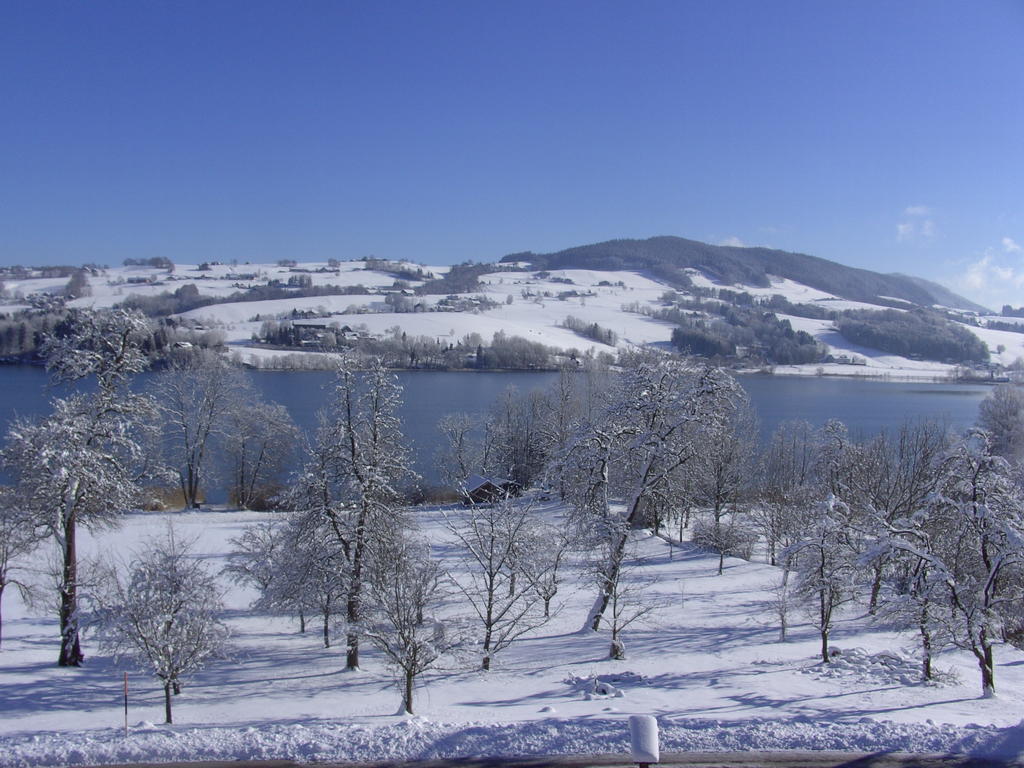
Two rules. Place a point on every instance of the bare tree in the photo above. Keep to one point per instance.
(918, 598)
(404, 590)
(781, 602)
(628, 601)
(194, 396)
(79, 465)
(1001, 414)
(259, 558)
(163, 614)
(786, 485)
(351, 480)
(541, 559)
(312, 572)
(900, 473)
(459, 454)
(722, 475)
(662, 414)
(491, 539)
(564, 407)
(259, 441)
(513, 438)
(839, 464)
(17, 541)
(966, 543)
(78, 285)
(254, 555)
(823, 565)
(725, 532)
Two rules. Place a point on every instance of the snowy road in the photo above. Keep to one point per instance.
(690, 759)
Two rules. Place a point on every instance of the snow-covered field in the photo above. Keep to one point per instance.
(530, 304)
(709, 666)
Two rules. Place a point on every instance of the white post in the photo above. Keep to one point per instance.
(126, 704)
(643, 737)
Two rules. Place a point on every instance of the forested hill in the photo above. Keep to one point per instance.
(667, 257)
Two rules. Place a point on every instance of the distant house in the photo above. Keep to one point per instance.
(847, 360)
(483, 490)
(317, 325)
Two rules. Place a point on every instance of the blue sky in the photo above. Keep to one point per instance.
(881, 135)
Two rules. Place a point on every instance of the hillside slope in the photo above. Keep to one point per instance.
(667, 257)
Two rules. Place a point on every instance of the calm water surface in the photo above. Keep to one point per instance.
(865, 406)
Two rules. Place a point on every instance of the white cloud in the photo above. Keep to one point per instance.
(1011, 246)
(1006, 274)
(990, 280)
(733, 241)
(916, 224)
(976, 276)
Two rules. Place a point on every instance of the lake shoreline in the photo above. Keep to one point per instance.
(884, 378)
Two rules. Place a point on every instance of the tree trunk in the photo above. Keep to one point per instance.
(617, 651)
(926, 656)
(876, 588)
(351, 652)
(352, 604)
(610, 579)
(327, 629)
(615, 561)
(190, 484)
(302, 622)
(718, 540)
(783, 605)
(1, 615)
(408, 692)
(824, 619)
(487, 641)
(70, 642)
(988, 675)
(926, 644)
(167, 703)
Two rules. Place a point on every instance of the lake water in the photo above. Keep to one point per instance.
(865, 406)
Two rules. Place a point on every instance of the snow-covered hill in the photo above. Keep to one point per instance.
(531, 304)
(709, 665)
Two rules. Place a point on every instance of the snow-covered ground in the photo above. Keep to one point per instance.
(1004, 346)
(709, 666)
(876, 363)
(529, 304)
(794, 292)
